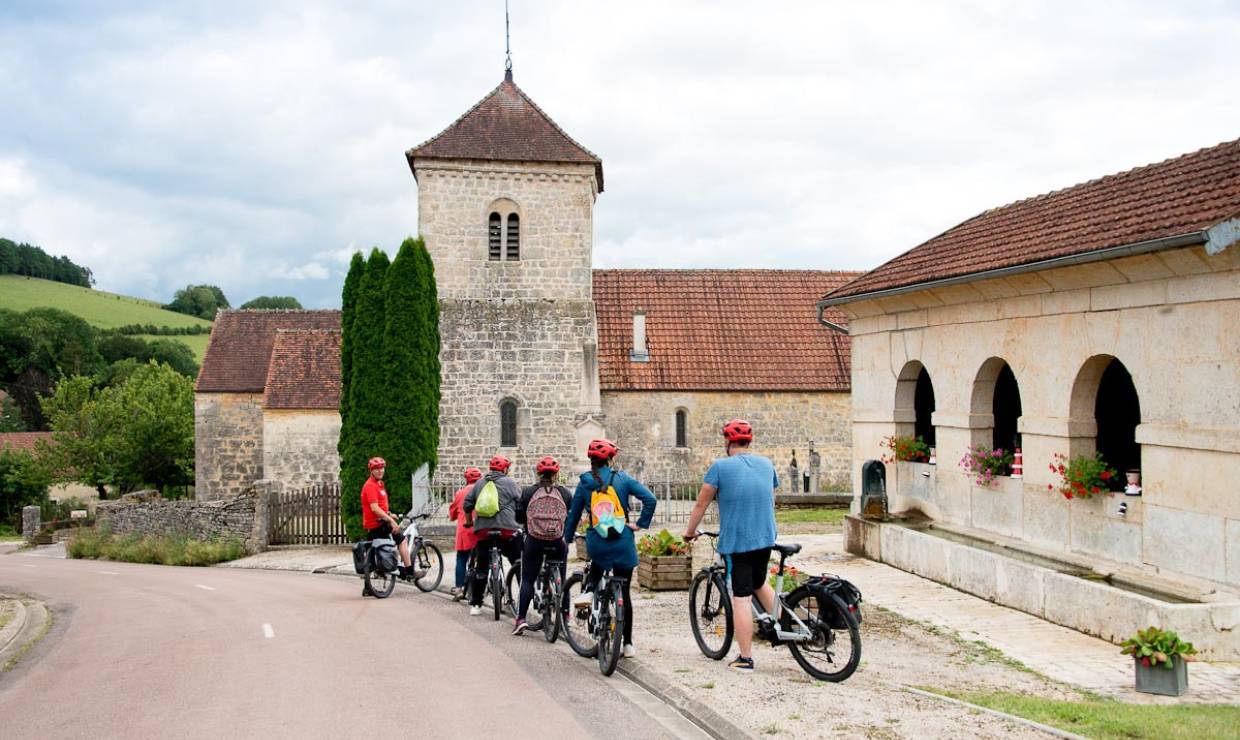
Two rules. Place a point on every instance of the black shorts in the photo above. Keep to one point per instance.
(748, 570)
(383, 531)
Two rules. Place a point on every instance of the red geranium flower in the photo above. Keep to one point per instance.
(1094, 489)
(1106, 475)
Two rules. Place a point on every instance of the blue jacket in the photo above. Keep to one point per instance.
(622, 551)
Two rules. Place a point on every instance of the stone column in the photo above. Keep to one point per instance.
(31, 522)
(815, 468)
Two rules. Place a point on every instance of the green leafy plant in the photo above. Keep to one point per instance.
(792, 578)
(985, 464)
(95, 544)
(1082, 476)
(906, 449)
(1152, 646)
(662, 544)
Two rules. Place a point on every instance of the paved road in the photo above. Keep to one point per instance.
(150, 651)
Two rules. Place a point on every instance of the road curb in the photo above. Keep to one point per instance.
(696, 711)
(14, 627)
(1047, 729)
(36, 622)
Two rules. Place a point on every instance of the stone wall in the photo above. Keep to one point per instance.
(555, 203)
(643, 425)
(1172, 318)
(242, 517)
(228, 443)
(299, 446)
(527, 351)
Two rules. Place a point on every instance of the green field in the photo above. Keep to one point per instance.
(104, 310)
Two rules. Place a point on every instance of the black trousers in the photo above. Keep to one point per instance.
(510, 548)
(532, 562)
(592, 578)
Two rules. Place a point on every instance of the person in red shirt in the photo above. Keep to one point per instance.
(378, 521)
(465, 537)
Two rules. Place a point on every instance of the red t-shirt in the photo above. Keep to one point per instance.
(373, 493)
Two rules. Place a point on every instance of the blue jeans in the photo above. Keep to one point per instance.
(462, 566)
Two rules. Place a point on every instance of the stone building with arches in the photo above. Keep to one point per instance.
(1103, 318)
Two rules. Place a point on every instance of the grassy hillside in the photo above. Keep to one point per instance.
(196, 342)
(104, 310)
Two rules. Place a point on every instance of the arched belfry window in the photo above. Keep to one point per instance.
(682, 431)
(494, 236)
(514, 237)
(508, 423)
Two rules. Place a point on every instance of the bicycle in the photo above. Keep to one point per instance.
(548, 591)
(818, 620)
(596, 631)
(498, 587)
(425, 556)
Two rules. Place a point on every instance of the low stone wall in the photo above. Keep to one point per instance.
(242, 517)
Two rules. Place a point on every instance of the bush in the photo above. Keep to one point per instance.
(96, 544)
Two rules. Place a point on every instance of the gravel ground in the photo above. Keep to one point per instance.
(779, 700)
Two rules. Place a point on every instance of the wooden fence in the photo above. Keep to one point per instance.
(308, 516)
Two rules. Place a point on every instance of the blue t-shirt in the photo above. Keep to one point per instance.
(746, 495)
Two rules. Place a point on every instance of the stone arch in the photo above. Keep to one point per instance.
(1106, 407)
(995, 406)
(503, 218)
(914, 402)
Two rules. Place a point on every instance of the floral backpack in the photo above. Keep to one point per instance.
(607, 514)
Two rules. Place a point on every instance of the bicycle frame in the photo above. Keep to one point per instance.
(802, 633)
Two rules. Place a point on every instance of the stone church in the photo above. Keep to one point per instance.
(541, 352)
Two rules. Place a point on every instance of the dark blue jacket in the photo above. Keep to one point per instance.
(622, 551)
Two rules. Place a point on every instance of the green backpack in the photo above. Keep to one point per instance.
(487, 504)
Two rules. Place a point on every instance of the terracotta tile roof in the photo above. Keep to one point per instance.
(742, 330)
(1179, 196)
(24, 441)
(240, 347)
(305, 370)
(506, 125)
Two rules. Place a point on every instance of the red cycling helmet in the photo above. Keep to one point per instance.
(547, 465)
(500, 463)
(738, 431)
(376, 462)
(601, 449)
(472, 475)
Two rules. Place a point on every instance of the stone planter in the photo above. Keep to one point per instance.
(666, 573)
(1156, 679)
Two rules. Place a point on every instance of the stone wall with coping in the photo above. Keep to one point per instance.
(299, 446)
(643, 425)
(1172, 318)
(242, 517)
(228, 443)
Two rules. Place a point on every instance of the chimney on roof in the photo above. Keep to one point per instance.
(640, 352)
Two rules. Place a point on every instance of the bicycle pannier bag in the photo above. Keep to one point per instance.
(847, 593)
(385, 555)
(487, 504)
(359, 556)
(545, 515)
(606, 511)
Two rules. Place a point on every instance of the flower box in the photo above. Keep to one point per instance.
(1158, 679)
(665, 572)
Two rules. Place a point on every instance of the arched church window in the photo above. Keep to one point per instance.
(494, 234)
(682, 431)
(514, 237)
(508, 424)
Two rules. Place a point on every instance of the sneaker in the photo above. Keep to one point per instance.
(519, 627)
(583, 600)
(741, 664)
(629, 650)
(475, 611)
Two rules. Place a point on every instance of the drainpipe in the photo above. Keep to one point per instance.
(830, 324)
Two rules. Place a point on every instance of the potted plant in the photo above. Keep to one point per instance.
(985, 464)
(665, 562)
(1082, 476)
(1160, 657)
(906, 449)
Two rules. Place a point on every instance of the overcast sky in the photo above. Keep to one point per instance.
(255, 145)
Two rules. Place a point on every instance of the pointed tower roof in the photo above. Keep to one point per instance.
(507, 126)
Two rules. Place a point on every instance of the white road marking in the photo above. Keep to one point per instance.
(27, 565)
(109, 573)
(204, 588)
(268, 632)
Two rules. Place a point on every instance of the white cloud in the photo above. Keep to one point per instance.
(309, 271)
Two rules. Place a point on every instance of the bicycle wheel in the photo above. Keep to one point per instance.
(512, 582)
(832, 654)
(535, 618)
(429, 563)
(710, 615)
(575, 623)
(381, 584)
(497, 588)
(610, 630)
(551, 594)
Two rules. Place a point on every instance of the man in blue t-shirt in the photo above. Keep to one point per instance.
(744, 485)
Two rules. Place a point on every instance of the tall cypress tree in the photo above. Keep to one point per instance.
(428, 337)
(402, 438)
(348, 307)
(368, 404)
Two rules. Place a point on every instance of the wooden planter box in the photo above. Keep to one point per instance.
(1156, 679)
(667, 573)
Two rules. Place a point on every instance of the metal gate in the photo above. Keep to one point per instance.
(309, 516)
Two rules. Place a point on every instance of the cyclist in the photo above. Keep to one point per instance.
(378, 521)
(505, 520)
(543, 509)
(744, 485)
(465, 539)
(616, 549)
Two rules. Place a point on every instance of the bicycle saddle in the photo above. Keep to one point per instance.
(786, 550)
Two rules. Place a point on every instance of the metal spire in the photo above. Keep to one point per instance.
(507, 47)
